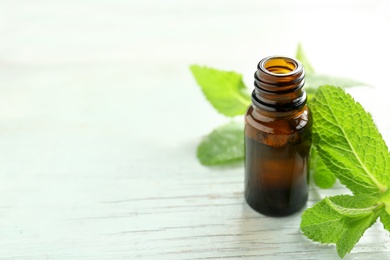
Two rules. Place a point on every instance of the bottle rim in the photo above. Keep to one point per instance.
(262, 65)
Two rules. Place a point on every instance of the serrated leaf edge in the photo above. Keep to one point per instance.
(382, 188)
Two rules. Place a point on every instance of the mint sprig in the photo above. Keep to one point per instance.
(324, 224)
(351, 146)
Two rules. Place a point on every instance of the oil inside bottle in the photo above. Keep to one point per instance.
(276, 185)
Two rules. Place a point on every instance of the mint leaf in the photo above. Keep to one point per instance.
(350, 145)
(324, 224)
(353, 206)
(225, 90)
(356, 229)
(310, 92)
(385, 198)
(301, 56)
(223, 145)
(321, 223)
(315, 80)
(322, 176)
(385, 219)
(349, 142)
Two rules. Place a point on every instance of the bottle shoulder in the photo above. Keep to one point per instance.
(278, 123)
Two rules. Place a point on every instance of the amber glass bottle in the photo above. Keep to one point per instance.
(277, 139)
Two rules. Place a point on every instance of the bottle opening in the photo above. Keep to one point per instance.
(278, 84)
(280, 65)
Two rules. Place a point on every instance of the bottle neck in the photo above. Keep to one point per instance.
(279, 85)
(260, 112)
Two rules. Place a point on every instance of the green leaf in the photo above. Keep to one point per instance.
(301, 56)
(386, 200)
(349, 142)
(356, 229)
(321, 223)
(311, 92)
(225, 90)
(223, 145)
(350, 146)
(322, 176)
(315, 80)
(385, 219)
(324, 224)
(353, 206)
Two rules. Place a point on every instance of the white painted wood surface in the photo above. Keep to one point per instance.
(100, 118)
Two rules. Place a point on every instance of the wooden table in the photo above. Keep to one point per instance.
(100, 118)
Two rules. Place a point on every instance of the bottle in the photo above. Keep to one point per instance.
(277, 139)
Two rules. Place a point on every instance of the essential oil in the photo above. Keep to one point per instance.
(277, 139)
